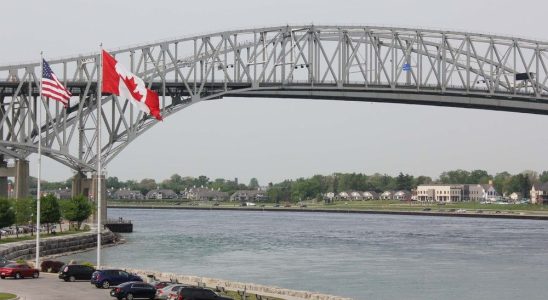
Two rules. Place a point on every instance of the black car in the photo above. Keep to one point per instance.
(198, 293)
(134, 290)
(76, 272)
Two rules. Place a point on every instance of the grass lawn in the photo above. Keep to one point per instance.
(4, 296)
(33, 237)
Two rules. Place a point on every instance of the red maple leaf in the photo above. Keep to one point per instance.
(132, 86)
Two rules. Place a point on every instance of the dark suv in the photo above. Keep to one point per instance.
(198, 293)
(107, 278)
(133, 290)
(76, 272)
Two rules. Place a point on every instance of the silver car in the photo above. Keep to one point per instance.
(169, 292)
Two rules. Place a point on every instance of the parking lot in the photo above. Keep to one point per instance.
(49, 287)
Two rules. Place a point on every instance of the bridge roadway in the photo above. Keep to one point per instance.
(424, 95)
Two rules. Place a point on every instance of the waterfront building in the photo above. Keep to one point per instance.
(539, 193)
(204, 194)
(402, 195)
(370, 195)
(355, 195)
(457, 192)
(161, 194)
(60, 193)
(249, 196)
(515, 197)
(343, 195)
(483, 192)
(127, 194)
(443, 192)
(387, 195)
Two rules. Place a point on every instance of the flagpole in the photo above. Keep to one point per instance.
(38, 192)
(99, 172)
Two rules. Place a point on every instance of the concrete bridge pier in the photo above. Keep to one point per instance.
(93, 195)
(80, 185)
(21, 174)
(22, 178)
(3, 177)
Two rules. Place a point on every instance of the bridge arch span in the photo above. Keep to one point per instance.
(350, 63)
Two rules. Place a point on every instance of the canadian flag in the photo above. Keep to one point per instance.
(119, 81)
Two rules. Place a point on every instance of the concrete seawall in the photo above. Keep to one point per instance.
(493, 215)
(263, 290)
(55, 245)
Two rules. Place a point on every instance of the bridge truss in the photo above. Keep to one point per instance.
(354, 63)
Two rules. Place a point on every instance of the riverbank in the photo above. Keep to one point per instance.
(57, 245)
(414, 211)
(213, 283)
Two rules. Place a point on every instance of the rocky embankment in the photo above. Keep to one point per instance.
(55, 245)
(258, 289)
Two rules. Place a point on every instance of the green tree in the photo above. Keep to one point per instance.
(253, 183)
(543, 177)
(77, 209)
(113, 182)
(404, 182)
(50, 211)
(24, 209)
(147, 185)
(7, 215)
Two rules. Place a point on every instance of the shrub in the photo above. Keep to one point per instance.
(21, 261)
(51, 266)
(88, 264)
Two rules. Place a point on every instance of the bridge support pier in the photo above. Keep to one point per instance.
(80, 185)
(3, 178)
(22, 178)
(21, 174)
(94, 194)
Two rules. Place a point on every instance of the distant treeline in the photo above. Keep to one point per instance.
(315, 186)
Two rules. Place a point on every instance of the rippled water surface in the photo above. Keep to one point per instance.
(362, 256)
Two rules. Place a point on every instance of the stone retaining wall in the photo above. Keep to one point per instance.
(235, 286)
(55, 245)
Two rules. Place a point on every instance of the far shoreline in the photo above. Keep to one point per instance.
(492, 215)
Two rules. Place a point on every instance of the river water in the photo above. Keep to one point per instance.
(362, 256)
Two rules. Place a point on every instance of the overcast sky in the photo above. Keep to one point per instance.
(274, 139)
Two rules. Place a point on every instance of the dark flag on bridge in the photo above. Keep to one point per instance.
(51, 87)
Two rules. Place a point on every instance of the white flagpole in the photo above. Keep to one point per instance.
(38, 192)
(99, 172)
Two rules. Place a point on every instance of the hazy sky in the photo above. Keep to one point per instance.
(275, 139)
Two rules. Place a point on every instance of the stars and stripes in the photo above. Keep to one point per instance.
(51, 87)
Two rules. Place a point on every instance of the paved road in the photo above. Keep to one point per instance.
(49, 287)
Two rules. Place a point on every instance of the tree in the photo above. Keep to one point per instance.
(147, 185)
(113, 182)
(543, 177)
(7, 215)
(404, 182)
(77, 209)
(24, 209)
(50, 211)
(253, 183)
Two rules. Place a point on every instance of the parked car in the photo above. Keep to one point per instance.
(169, 292)
(4, 261)
(107, 278)
(76, 272)
(198, 293)
(18, 271)
(133, 290)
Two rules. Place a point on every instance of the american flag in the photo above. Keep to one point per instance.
(52, 88)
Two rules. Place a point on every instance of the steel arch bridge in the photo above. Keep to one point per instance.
(354, 63)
